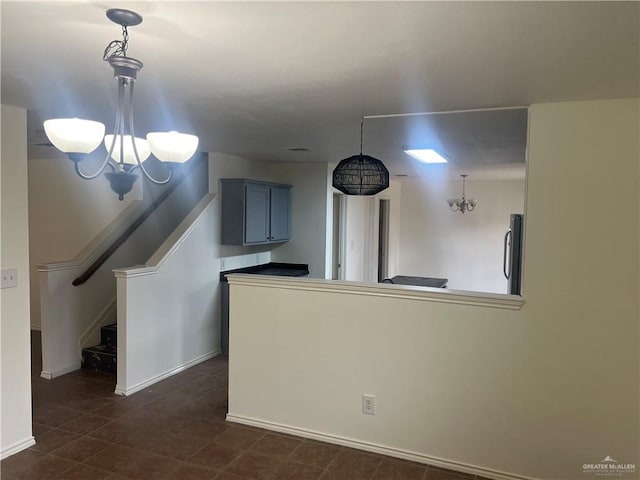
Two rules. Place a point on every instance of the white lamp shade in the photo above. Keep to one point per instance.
(129, 156)
(74, 135)
(172, 146)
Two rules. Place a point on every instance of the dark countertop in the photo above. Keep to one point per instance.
(271, 268)
(418, 281)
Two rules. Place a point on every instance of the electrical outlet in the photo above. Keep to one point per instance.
(368, 404)
(9, 277)
(223, 264)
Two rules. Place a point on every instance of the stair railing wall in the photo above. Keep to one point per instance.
(72, 314)
(66, 311)
(168, 311)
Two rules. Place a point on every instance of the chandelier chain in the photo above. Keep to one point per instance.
(361, 130)
(117, 48)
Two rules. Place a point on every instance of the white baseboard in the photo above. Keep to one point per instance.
(120, 390)
(17, 447)
(375, 448)
(61, 371)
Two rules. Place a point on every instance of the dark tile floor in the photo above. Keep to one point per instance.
(175, 430)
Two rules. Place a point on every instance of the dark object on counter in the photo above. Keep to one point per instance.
(273, 268)
(418, 281)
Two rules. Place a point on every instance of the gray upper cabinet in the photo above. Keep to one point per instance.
(255, 212)
(280, 212)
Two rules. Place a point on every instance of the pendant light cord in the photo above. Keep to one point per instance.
(361, 129)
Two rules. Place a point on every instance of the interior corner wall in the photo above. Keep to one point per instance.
(66, 212)
(15, 363)
(465, 248)
(308, 215)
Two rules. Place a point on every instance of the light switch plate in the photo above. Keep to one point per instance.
(9, 277)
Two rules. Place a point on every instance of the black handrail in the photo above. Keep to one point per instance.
(186, 170)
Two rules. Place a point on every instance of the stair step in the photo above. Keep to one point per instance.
(102, 358)
(109, 335)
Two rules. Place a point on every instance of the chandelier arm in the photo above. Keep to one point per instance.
(124, 109)
(119, 124)
(76, 166)
(150, 177)
(107, 159)
(135, 150)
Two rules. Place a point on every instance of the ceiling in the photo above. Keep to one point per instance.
(254, 78)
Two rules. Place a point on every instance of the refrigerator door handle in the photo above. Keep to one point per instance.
(507, 237)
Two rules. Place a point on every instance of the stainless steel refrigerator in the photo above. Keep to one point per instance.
(512, 259)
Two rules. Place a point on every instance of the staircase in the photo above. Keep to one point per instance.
(103, 357)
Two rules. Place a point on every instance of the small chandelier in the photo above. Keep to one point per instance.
(360, 174)
(462, 204)
(125, 152)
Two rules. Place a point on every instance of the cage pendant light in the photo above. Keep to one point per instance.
(361, 174)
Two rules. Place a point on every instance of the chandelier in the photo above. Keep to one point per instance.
(462, 204)
(360, 174)
(125, 152)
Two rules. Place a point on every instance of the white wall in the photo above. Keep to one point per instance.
(65, 214)
(533, 393)
(465, 248)
(15, 379)
(308, 215)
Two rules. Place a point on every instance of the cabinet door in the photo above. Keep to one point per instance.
(280, 204)
(256, 219)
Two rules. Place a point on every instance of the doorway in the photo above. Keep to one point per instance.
(337, 249)
(383, 240)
